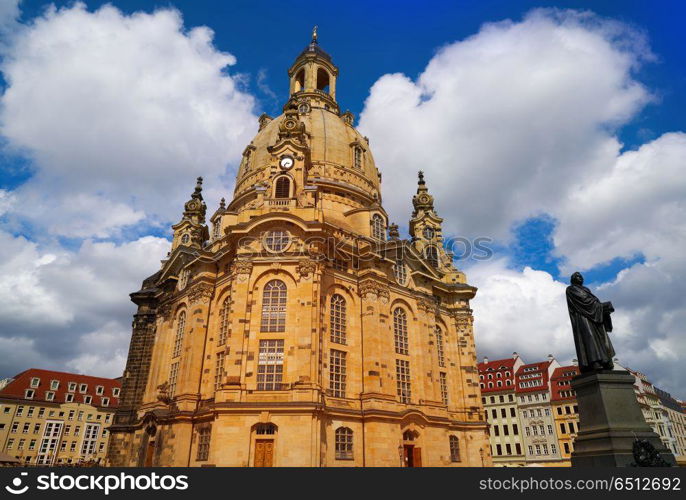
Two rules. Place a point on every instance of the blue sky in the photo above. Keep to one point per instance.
(87, 150)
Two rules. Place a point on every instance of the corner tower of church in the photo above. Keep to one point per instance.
(298, 329)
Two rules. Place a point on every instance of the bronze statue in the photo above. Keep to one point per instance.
(590, 323)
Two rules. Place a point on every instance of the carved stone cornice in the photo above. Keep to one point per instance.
(372, 290)
(241, 268)
(427, 306)
(201, 293)
(164, 311)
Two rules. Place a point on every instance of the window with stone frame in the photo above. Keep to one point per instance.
(204, 437)
(344, 443)
(173, 377)
(270, 365)
(282, 189)
(400, 331)
(277, 241)
(224, 321)
(400, 271)
(431, 255)
(402, 376)
(439, 346)
(454, 449)
(443, 379)
(274, 299)
(338, 320)
(378, 228)
(178, 339)
(337, 373)
(219, 370)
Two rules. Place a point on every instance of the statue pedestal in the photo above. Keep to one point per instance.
(610, 420)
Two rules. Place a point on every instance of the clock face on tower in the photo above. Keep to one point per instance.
(286, 162)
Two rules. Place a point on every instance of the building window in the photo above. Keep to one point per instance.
(204, 435)
(173, 377)
(25, 429)
(54, 385)
(68, 398)
(36, 428)
(32, 445)
(337, 373)
(515, 429)
(276, 241)
(20, 411)
(553, 449)
(378, 229)
(499, 449)
(223, 322)
(400, 331)
(115, 392)
(338, 319)
(49, 395)
(400, 271)
(270, 365)
(274, 307)
(178, 340)
(265, 429)
(454, 449)
(219, 370)
(29, 393)
(402, 375)
(444, 387)
(105, 402)
(282, 189)
(344, 444)
(99, 390)
(431, 255)
(87, 399)
(439, 346)
(357, 153)
(90, 437)
(35, 382)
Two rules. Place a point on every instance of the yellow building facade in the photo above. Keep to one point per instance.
(298, 329)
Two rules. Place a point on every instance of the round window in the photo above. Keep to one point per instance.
(185, 239)
(276, 241)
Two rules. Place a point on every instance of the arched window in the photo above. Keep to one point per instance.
(344, 443)
(323, 80)
(490, 385)
(282, 188)
(500, 383)
(490, 376)
(274, 307)
(400, 331)
(265, 429)
(299, 81)
(357, 157)
(482, 385)
(439, 346)
(431, 255)
(408, 436)
(338, 319)
(378, 229)
(223, 322)
(400, 271)
(180, 328)
(454, 449)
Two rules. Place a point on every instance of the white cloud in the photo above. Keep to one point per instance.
(70, 309)
(503, 122)
(520, 120)
(119, 113)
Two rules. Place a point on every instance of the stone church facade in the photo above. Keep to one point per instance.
(297, 328)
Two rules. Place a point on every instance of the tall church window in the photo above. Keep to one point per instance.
(443, 377)
(282, 188)
(344, 443)
(224, 322)
(178, 340)
(204, 436)
(323, 80)
(431, 254)
(439, 346)
(274, 307)
(173, 378)
(357, 156)
(338, 319)
(378, 229)
(337, 373)
(400, 271)
(400, 331)
(219, 370)
(270, 365)
(402, 378)
(454, 449)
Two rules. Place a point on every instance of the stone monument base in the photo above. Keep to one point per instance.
(610, 420)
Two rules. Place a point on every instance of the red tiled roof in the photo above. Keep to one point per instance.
(540, 370)
(498, 369)
(560, 382)
(17, 388)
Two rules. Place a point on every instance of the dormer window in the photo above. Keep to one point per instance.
(49, 395)
(35, 382)
(99, 390)
(431, 255)
(72, 387)
(83, 388)
(87, 399)
(115, 392)
(54, 385)
(28, 394)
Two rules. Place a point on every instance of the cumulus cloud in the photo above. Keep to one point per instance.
(119, 114)
(521, 120)
(70, 309)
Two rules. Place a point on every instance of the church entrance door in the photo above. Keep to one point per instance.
(412, 456)
(264, 453)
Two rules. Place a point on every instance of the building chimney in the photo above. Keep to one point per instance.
(515, 355)
(485, 359)
(550, 357)
(575, 362)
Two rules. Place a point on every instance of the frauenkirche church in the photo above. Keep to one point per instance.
(298, 329)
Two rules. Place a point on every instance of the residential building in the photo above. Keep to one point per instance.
(57, 418)
(565, 410)
(497, 382)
